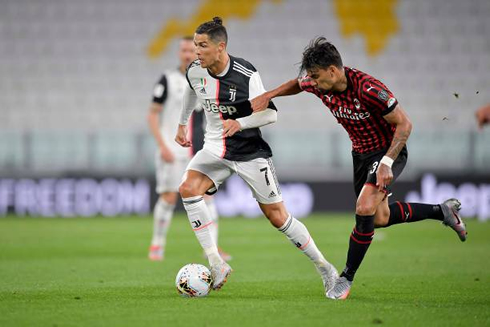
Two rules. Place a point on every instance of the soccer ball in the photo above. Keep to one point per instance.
(193, 280)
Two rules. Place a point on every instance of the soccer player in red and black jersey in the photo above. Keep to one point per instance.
(379, 129)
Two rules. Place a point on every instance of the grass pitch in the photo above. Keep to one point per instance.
(95, 272)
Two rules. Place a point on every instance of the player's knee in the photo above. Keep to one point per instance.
(187, 189)
(276, 215)
(365, 208)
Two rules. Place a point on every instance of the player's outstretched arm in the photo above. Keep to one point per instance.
(399, 118)
(483, 116)
(190, 101)
(289, 88)
(255, 120)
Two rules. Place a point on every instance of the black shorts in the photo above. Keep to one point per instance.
(366, 165)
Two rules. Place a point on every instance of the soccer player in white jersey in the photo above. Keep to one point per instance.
(223, 84)
(170, 158)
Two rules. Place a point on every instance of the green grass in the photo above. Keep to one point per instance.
(94, 272)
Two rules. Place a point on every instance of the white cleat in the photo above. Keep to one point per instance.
(219, 274)
(329, 275)
(450, 209)
(340, 290)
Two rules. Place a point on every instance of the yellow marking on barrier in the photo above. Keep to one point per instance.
(376, 21)
(174, 28)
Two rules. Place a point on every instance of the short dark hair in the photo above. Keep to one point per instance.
(214, 29)
(320, 54)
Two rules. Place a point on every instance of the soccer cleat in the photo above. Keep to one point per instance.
(155, 253)
(329, 275)
(340, 290)
(219, 274)
(450, 209)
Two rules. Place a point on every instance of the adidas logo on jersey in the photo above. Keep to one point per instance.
(202, 91)
(272, 194)
(213, 107)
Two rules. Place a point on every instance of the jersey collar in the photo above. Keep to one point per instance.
(227, 69)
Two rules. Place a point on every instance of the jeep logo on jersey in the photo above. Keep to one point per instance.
(213, 107)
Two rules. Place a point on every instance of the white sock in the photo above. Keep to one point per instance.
(298, 234)
(200, 220)
(162, 216)
(213, 214)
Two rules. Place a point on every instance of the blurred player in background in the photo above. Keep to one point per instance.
(483, 115)
(234, 144)
(379, 129)
(170, 158)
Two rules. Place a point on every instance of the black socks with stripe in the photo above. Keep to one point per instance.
(359, 242)
(362, 235)
(404, 212)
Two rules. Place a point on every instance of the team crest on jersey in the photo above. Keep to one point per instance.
(232, 93)
(357, 104)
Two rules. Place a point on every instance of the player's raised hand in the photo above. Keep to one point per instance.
(384, 176)
(260, 103)
(230, 127)
(181, 136)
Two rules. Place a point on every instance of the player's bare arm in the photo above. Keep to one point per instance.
(289, 88)
(399, 118)
(153, 123)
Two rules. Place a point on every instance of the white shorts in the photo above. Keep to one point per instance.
(169, 175)
(259, 174)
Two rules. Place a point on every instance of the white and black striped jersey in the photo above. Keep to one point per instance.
(227, 97)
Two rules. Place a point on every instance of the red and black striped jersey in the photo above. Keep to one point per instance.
(360, 109)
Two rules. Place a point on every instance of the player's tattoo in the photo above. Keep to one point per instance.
(399, 140)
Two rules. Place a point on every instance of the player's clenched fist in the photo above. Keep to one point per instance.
(230, 127)
(384, 176)
(181, 136)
